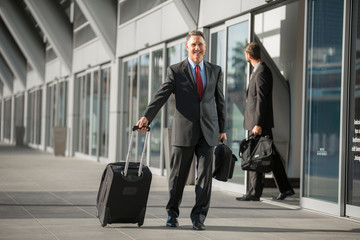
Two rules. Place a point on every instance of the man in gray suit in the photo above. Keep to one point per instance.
(198, 125)
(259, 120)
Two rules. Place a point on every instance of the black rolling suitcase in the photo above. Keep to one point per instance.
(124, 190)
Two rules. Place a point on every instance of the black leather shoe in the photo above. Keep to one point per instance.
(172, 221)
(286, 194)
(248, 197)
(198, 225)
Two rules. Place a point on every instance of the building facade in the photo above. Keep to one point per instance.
(86, 70)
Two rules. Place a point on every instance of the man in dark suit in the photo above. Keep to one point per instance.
(259, 120)
(198, 125)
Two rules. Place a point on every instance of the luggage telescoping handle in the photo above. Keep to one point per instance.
(134, 128)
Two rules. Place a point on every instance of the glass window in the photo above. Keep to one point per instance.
(105, 107)
(34, 116)
(19, 111)
(218, 48)
(323, 91)
(7, 119)
(95, 114)
(235, 94)
(353, 189)
(156, 80)
(144, 64)
(84, 118)
(0, 114)
(175, 54)
(38, 116)
(130, 76)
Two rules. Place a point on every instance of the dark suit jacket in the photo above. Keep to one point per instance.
(259, 108)
(192, 115)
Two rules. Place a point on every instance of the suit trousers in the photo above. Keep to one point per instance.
(279, 173)
(180, 164)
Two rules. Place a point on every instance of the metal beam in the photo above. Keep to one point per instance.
(186, 14)
(5, 74)
(24, 34)
(12, 54)
(56, 26)
(102, 18)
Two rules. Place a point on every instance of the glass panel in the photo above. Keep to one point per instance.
(82, 108)
(277, 30)
(130, 76)
(0, 116)
(175, 54)
(29, 118)
(52, 113)
(7, 119)
(236, 90)
(38, 116)
(61, 107)
(155, 136)
(94, 117)
(144, 93)
(104, 131)
(19, 111)
(87, 113)
(218, 48)
(323, 91)
(353, 190)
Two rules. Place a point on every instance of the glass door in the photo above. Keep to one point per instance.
(227, 50)
(353, 166)
(320, 189)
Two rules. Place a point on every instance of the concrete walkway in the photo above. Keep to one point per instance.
(47, 197)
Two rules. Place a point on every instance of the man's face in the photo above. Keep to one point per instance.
(247, 57)
(196, 47)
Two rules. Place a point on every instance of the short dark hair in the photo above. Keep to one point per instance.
(253, 49)
(195, 33)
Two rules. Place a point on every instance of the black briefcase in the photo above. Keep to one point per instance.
(124, 191)
(224, 163)
(257, 153)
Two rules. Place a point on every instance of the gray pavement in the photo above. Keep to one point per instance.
(47, 197)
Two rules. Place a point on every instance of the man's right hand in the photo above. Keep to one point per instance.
(142, 123)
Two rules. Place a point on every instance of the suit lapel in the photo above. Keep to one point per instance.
(209, 76)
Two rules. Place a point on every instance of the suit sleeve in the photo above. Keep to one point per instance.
(263, 92)
(160, 97)
(220, 103)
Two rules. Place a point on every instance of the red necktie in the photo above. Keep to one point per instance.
(199, 83)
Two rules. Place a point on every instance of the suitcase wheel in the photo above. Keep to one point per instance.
(141, 217)
(106, 215)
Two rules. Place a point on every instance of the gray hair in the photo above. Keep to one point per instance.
(195, 33)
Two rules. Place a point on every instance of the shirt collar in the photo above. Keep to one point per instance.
(193, 64)
(257, 66)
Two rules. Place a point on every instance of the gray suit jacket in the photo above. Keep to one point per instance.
(259, 108)
(192, 115)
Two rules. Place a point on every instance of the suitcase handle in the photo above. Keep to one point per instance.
(134, 128)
